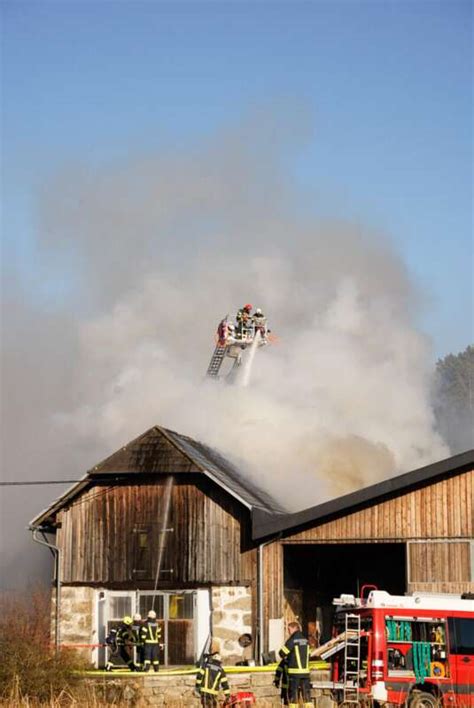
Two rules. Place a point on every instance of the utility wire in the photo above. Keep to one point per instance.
(42, 481)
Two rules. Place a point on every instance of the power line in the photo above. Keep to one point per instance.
(42, 481)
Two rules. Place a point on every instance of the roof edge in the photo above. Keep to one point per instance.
(265, 525)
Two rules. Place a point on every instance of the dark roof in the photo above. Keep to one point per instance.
(265, 525)
(225, 473)
(163, 451)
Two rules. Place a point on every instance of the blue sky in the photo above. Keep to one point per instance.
(388, 86)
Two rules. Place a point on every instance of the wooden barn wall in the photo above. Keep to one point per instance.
(100, 532)
(443, 510)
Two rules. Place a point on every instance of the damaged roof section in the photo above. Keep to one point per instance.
(160, 451)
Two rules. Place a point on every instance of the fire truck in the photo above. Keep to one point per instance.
(414, 650)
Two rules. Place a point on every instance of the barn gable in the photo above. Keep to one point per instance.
(160, 452)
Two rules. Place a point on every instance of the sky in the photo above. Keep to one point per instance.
(277, 117)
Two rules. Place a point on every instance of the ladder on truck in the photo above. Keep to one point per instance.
(216, 361)
(352, 659)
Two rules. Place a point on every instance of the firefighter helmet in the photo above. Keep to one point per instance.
(127, 620)
(258, 311)
(137, 617)
(152, 615)
(247, 307)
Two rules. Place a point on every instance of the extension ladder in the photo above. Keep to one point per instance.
(352, 659)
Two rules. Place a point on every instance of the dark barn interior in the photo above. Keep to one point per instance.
(314, 574)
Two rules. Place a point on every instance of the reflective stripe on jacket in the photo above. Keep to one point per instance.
(212, 677)
(124, 635)
(150, 633)
(296, 652)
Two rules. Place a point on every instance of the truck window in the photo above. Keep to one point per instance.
(461, 635)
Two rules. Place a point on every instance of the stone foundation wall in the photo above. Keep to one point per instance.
(77, 617)
(178, 691)
(231, 617)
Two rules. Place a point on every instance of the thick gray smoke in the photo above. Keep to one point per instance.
(156, 251)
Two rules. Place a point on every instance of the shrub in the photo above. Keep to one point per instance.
(31, 669)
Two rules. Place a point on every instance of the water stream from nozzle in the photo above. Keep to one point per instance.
(162, 533)
(244, 378)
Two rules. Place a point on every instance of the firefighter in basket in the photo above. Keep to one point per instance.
(244, 321)
(260, 323)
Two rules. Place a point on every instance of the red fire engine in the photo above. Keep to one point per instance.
(415, 650)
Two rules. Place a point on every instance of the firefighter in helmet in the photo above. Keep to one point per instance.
(210, 679)
(125, 641)
(150, 634)
(244, 319)
(296, 652)
(139, 644)
(260, 322)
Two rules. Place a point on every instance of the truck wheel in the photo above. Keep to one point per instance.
(421, 699)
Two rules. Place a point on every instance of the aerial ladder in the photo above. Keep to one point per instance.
(233, 341)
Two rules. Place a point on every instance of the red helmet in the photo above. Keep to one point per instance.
(247, 307)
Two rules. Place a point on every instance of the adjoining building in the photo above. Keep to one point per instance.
(168, 522)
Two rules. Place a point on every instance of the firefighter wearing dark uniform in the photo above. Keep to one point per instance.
(281, 681)
(138, 641)
(296, 652)
(244, 319)
(150, 634)
(125, 641)
(211, 678)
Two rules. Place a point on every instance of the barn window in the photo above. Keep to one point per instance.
(141, 559)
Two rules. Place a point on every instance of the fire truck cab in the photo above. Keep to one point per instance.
(415, 650)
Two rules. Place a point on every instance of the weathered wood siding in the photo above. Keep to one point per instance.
(441, 513)
(441, 510)
(207, 544)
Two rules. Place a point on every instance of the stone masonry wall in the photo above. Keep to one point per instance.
(178, 691)
(231, 617)
(77, 617)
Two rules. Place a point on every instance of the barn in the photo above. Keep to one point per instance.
(167, 522)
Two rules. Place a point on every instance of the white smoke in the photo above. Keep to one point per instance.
(155, 251)
(339, 401)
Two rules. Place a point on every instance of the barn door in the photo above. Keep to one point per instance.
(176, 615)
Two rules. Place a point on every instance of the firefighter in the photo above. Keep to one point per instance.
(244, 319)
(296, 652)
(150, 634)
(125, 641)
(138, 641)
(260, 322)
(211, 678)
(281, 680)
(111, 643)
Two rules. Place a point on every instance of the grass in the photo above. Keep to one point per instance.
(32, 673)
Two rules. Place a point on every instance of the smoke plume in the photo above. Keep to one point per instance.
(152, 253)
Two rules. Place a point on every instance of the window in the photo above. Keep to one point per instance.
(141, 552)
(461, 635)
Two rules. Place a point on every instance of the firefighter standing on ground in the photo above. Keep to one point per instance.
(211, 678)
(138, 641)
(151, 635)
(125, 641)
(296, 652)
(281, 680)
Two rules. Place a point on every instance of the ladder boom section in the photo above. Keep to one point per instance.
(216, 361)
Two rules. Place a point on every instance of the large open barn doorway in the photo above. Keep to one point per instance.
(316, 573)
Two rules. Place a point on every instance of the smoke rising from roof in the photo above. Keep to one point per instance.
(155, 252)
